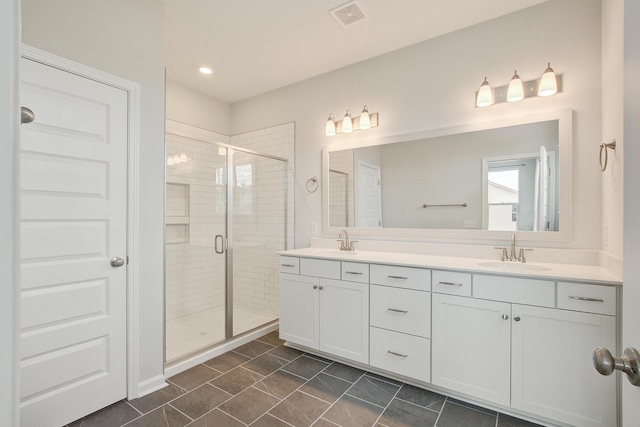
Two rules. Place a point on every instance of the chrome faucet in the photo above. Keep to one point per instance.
(346, 244)
(512, 257)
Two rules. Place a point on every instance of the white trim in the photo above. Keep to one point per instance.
(182, 365)
(10, 214)
(133, 91)
(565, 131)
(152, 384)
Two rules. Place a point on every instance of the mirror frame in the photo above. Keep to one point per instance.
(565, 142)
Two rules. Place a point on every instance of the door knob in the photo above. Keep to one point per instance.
(606, 364)
(116, 262)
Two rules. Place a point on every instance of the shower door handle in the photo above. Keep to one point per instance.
(221, 250)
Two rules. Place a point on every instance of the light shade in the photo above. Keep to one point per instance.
(330, 128)
(516, 90)
(548, 83)
(485, 96)
(347, 124)
(365, 119)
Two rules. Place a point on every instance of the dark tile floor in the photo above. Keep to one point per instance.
(264, 383)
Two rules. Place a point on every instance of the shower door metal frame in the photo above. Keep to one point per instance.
(228, 239)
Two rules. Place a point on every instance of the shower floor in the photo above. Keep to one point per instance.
(194, 332)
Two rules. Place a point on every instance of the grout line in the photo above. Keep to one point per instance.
(387, 406)
(446, 399)
(419, 406)
(341, 396)
(168, 404)
(137, 410)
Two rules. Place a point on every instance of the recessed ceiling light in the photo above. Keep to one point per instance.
(206, 70)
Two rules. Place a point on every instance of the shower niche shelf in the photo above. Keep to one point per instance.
(177, 219)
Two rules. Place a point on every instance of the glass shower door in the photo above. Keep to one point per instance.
(196, 223)
(257, 231)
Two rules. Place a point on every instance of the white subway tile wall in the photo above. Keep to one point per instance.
(194, 272)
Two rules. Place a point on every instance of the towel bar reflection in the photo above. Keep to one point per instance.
(459, 205)
(603, 148)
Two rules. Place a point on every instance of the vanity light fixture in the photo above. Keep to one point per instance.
(515, 92)
(348, 124)
(330, 128)
(549, 84)
(365, 120)
(485, 96)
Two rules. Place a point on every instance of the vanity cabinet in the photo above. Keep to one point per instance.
(515, 342)
(325, 314)
(532, 358)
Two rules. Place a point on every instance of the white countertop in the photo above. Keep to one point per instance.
(554, 271)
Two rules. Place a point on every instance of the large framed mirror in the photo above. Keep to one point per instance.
(475, 182)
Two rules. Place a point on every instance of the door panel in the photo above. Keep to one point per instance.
(73, 213)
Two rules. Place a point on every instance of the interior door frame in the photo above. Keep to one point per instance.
(133, 184)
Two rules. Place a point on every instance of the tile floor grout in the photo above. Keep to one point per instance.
(382, 398)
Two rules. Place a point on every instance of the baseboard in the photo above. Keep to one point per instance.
(149, 386)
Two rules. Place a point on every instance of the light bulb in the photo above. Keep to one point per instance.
(170, 160)
(183, 157)
(330, 128)
(548, 82)
(516, 91)
(485, 96)
(176, 159)
(365, 119)
(347, 125)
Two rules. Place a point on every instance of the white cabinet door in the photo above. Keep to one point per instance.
(471, 347)
(344, 319)
(299, 313)
(552, 370)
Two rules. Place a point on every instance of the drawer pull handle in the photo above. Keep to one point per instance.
(352, 272)
(396, 354)
(586, 299)
(395, 310)
(398, 277)
(450, 284)
(287, 265)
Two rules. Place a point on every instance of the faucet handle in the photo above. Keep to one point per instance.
(521, 257)
(351, 248)
(505, 256)
(342, 247)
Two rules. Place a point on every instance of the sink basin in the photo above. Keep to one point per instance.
(513, 267)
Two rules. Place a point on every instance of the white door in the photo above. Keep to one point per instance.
(299, 311)
(73, 222)
(368, 196)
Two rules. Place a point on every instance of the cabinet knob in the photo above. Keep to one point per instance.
(606, 364)
(321, 287)
(315, 286)
(517, 318)
(505, 317)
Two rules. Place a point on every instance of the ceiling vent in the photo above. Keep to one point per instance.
(348, 14)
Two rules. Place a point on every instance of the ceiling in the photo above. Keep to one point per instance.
(256, 46)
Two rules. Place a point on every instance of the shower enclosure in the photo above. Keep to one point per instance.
(226, 217)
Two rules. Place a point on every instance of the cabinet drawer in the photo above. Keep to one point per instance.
(401, 310)
(289, 264)
(514, 289)
(401, 277)
(449, 282)
(355, 272)
(589, 298)
(402, 354)
(320, 268)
